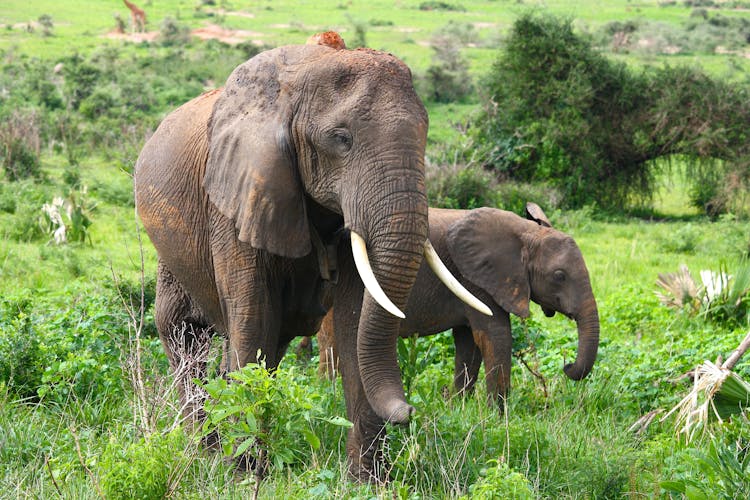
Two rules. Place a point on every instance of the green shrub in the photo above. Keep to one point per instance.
(460, 187)
(22, 201)
(19, 144)
(277, 412)
(437, 5)
(513, 196)
(145, 469)
(23, 356)
(359, 38)
(558, 111)
(448, 78)
(500, 481)
(63, 350)
(682, 240)
(99, 103)
(81, 77)
(173, 33)
(721, 472)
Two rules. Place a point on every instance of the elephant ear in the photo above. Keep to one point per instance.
(486, 247)
(251, 173)
(534, 212)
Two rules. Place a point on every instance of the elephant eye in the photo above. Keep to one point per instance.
(559, 276)
(342, 139)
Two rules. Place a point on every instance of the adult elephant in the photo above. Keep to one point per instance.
(243, 191)
(506, 261)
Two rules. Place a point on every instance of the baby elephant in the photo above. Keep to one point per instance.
(503, 259)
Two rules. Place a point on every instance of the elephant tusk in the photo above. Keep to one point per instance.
(442, 272)
(359, 250)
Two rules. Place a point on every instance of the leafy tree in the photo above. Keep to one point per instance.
(556, 110)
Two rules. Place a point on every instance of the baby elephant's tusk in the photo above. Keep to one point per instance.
(450, 281)
(359, 250)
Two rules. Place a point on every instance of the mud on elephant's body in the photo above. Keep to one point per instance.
(505, 260)
(243, 191)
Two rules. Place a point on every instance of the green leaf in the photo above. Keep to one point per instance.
(219, 414)
(252, 423)
(340, 421)
(214, 387)
(243, 447)
(673, 486)
(311, 438)
(695, 493)
(319, 490)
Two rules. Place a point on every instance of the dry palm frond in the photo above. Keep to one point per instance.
(717, 392)
(681, 289)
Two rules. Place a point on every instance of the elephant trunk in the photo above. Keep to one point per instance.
(588, 341)
(395, 243)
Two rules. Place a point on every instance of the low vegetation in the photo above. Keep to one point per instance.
(88, 408)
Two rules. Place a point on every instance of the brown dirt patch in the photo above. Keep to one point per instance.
(212, 31)
(231, 37)
(147, 36)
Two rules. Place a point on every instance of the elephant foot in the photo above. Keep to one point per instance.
(364, 449)
(367, 475)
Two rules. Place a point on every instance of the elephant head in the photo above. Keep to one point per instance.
(529, 260)
(341, 133)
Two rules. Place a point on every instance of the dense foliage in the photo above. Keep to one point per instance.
(559, 111)
(108, 101)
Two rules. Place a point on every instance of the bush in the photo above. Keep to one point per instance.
(560, 112)
(60, 351)
(144, 469)
(22, 201)
(513, 196)
(460, 186)
(500, 481)
(547, 119)
(275, 412)
(437, 5)
(448, 77)
(19, 144)
(173, 33)
(721, 472)
(22, 356)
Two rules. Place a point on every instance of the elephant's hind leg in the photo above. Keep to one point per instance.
(186, 338)
(468, 360)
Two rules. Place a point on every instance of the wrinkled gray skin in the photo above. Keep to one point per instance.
(505, 261)
(242, 191)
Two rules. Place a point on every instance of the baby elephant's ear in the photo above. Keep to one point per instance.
(251, 171)
(486, 247)
(534, 212)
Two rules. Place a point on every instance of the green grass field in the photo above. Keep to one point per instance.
(74, 424)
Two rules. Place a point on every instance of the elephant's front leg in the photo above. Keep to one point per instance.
(250, 298)
(493, 336)
(364, 445)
